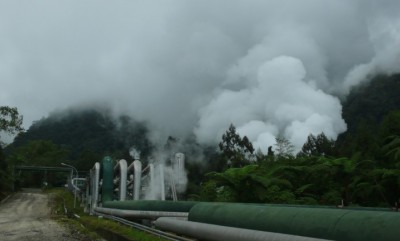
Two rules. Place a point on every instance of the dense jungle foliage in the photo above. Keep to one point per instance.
(361, 168)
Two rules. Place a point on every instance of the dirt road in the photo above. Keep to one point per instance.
(25, 216)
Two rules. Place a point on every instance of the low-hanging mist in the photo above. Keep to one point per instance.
(269, 67)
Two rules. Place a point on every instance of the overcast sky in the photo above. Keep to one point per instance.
(269, 67)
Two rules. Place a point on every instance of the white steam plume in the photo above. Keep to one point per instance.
(281, 100)
(183, 63)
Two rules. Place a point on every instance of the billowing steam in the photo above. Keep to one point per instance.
(280, 100)
(134, 153)
(270, 67)
(164, 173)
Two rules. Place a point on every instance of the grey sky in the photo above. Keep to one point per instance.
(268, 66)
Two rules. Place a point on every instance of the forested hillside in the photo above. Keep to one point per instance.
(82, 136)
(371, 112)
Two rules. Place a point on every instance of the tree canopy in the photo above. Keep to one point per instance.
(318, 145)
(235, 150)
(10, 120)
(11, 123)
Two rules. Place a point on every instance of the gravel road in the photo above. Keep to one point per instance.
(25, 216)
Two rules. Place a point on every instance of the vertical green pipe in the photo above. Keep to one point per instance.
(107, 187)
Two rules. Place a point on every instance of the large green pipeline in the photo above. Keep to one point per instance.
(108, 185)
(388, 209)
(151, 205)
(333, 224)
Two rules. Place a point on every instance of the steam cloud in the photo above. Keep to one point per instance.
(270, 67)
(281, 101)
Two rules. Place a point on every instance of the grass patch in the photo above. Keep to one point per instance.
(115, 228)
(91, 226)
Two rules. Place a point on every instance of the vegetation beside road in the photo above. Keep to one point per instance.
(91, 227)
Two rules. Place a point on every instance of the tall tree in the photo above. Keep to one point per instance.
(392, 148)
(284, 149)
(237, 151)
(10, 120)
(11, 123)
(3, 167)
(318, 145)
(390, 126)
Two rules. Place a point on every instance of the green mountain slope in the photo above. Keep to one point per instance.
(89, 130)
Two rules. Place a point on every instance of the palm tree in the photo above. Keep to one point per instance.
(392, 148)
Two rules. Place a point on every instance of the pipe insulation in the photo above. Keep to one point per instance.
(74, 182)
(324, 223)
(388, 209)
(162, 181)
(95, 183)
(151, 205)
(140, 214)
(108, 185)
(152, 183)
(137, 175)
(211, 232)
(122, 168)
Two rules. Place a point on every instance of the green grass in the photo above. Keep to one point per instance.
(90, 226)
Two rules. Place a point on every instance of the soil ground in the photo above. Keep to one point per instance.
(26, 216)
